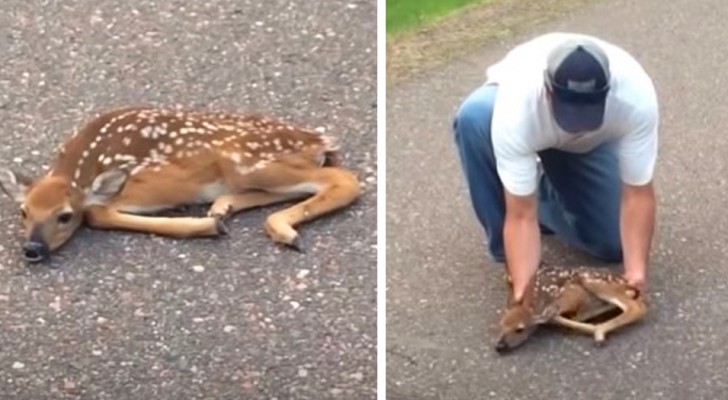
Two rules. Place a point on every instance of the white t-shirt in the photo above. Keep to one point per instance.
(522, 123)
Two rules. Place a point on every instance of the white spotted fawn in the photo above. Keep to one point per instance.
(568, 297)
(127, 164)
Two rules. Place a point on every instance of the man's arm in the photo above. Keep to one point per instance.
(522, 241)
(637, 223)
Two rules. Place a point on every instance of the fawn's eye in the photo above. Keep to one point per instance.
(23, 214)
(65, 217)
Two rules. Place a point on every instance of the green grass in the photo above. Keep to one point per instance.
(403, 14)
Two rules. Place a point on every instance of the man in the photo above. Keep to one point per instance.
(562, 138)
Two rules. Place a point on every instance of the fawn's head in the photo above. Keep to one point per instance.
(516, 326)
(52, 207)
(519, 322)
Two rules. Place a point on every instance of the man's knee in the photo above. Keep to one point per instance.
(470, 131)
(612, 255)
(608, 252)
(472, 121)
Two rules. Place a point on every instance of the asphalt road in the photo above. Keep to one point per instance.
(444, 296)
(132, 316)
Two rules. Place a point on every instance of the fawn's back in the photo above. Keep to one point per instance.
(139, 139)
(550, 282)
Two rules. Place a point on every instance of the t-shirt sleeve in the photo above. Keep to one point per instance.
(638, 148)
(516, 164)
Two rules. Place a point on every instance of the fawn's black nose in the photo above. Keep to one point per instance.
(501, 347)
(35, 251)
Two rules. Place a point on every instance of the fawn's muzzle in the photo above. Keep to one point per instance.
(35, 251)
(502, 347)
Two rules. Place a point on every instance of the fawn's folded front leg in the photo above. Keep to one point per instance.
(229, 204)
(569, 301)
(589, 329)
(103, 217)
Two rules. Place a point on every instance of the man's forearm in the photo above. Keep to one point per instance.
(522, 242)
(637, 227)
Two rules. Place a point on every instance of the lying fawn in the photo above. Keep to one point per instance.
(127, 164)
(568, 297)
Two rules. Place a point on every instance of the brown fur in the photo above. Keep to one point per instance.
(568, 297)
(143, 160)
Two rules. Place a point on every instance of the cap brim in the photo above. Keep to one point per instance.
(577, 118)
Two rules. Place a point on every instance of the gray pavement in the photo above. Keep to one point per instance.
(444, 296)
(132, 316)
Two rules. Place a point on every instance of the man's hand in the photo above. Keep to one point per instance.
(637, 226)
(636, 280)
(522, 241)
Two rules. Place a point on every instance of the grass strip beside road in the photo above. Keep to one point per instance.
(427, 45)
(408, 14)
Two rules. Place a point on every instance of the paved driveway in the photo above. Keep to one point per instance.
(131, 316)
(444, 296)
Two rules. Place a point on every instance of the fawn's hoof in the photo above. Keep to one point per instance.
(223, 212)
(297, 244)
(221, 226)
(281, 232)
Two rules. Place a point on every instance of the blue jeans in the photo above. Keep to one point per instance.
(578, 195)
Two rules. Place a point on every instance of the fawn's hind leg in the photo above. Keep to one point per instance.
(333, 188)
(595, 307)
(632, 309)
(298, 175)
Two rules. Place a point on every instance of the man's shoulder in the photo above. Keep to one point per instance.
(517, 125)
(633, 92)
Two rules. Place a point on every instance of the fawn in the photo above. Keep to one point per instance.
(568, 297)
(127, 164)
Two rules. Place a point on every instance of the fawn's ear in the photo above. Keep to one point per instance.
(105, 186)
(13, 184)
(548, 313)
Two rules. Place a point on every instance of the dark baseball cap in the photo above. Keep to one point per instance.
(577, 76)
